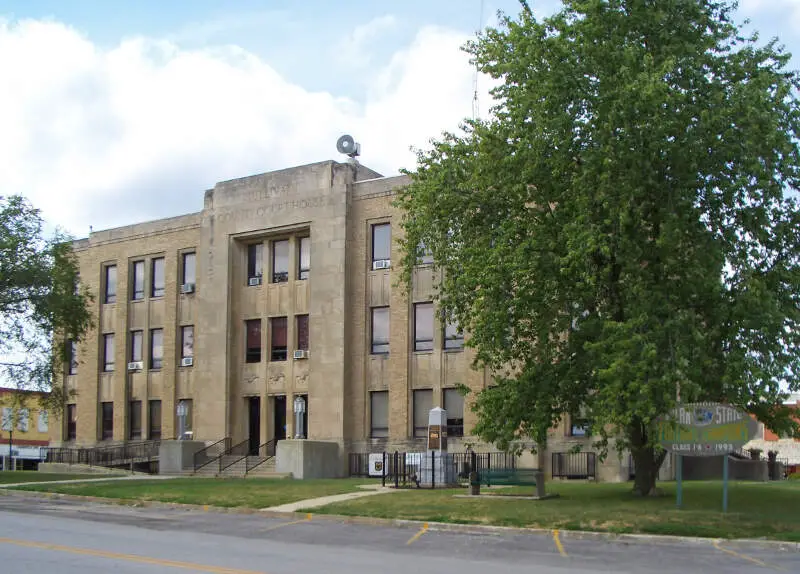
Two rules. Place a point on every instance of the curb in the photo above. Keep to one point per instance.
(436, 526)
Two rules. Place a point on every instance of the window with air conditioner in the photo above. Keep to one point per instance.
(188, 272)
(135, 362)
(381, 245)
(255, 254)
(187, 345)
(280, 261)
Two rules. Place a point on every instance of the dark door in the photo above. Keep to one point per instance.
(279, 417)
(255, 424)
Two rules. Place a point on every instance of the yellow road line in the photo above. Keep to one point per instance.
(418, 535)
(741, 556)
(127, 557)
(306, 519)
(560, 546)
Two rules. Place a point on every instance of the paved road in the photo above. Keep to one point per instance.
(65, 536)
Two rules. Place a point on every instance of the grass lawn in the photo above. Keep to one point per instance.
(10, 477)
(755, 510)
(232, 492)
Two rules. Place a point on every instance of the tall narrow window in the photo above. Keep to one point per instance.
(111, 284)
(454, 405)
(254, 257)
(73, 357)
(423, 326)
(189, 268)
(154, 420)
(278, 339)
(302, 332)
(379, 414)
(158, 278)
(380, 330)
(425, 257)
(280, 261)
(253, 340)
(108, 352)
(137, 337)
(137, 284)
(187, 341)
(304, 259)
(72, 422)
(135, 420)
(423, 403)
(381, 245)
(107, 420)
(156, 348)
(453, 337)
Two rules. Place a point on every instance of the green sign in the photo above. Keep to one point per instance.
(706, 429)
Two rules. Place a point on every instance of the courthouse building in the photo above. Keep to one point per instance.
(284, 285)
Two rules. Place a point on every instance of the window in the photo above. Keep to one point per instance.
(73, 357)
(111, 284)
(253, 340)
(304, 260)
(453, 337)
(185, 418)
(189, 268)
(154, 420)
(138, 280)
(578, 427)
(380, 330)
(423, 326)
(108, 352)
(187, 341)
(44, 421)
(158, 278)
(254, 258)
(135, 420)
(107, 421)
(423, 403)
(72, 422)
(23, 418)
(379, 414)
(156, 348)
(278, 341)
(280, 261)
(381, 244)
(137, 337)
(425, 256)
(454, 405)
(302, 332)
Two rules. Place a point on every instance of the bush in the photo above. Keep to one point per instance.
(794, 476)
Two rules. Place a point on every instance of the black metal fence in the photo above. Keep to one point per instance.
(574, 465)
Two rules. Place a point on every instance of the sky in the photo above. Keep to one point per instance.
(113, 113)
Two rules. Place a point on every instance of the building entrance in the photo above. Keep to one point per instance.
(279, 417)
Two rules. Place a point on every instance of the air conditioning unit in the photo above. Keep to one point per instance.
(382, 264)
(187, 288)
(301, 354)
(253, 281)
(135, 366)
(187, 361)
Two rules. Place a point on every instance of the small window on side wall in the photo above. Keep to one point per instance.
(110, 281)
(138, 281)
(381, 245)
(304, 258)
(254, 261)
(158, 278)
(189, 269)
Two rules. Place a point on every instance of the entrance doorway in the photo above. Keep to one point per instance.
(279, 417)
(254, 424)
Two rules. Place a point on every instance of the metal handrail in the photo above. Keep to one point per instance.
(269, 452)
(206, 453)
(104, 455)
(236, 450)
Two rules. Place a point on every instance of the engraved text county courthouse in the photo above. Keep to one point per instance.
(284, 285)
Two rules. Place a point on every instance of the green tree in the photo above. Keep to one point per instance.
(41, 305)
(624, 226)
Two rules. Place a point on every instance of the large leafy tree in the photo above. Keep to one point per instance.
(41, 307)
(623, 230)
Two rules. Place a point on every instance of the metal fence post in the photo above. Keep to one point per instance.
(396, 469)
(383, 469)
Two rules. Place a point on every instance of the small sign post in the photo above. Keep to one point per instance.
(705, 429)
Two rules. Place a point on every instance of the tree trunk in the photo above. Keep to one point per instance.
(646, 462)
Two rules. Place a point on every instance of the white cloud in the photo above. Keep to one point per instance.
(108, 136)
(355, 50)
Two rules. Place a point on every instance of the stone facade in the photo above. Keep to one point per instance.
(333, 207)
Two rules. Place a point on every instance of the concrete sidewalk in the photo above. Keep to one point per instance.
(369, 490)
(79, 480)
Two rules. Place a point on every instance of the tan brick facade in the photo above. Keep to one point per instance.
(335, 206)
